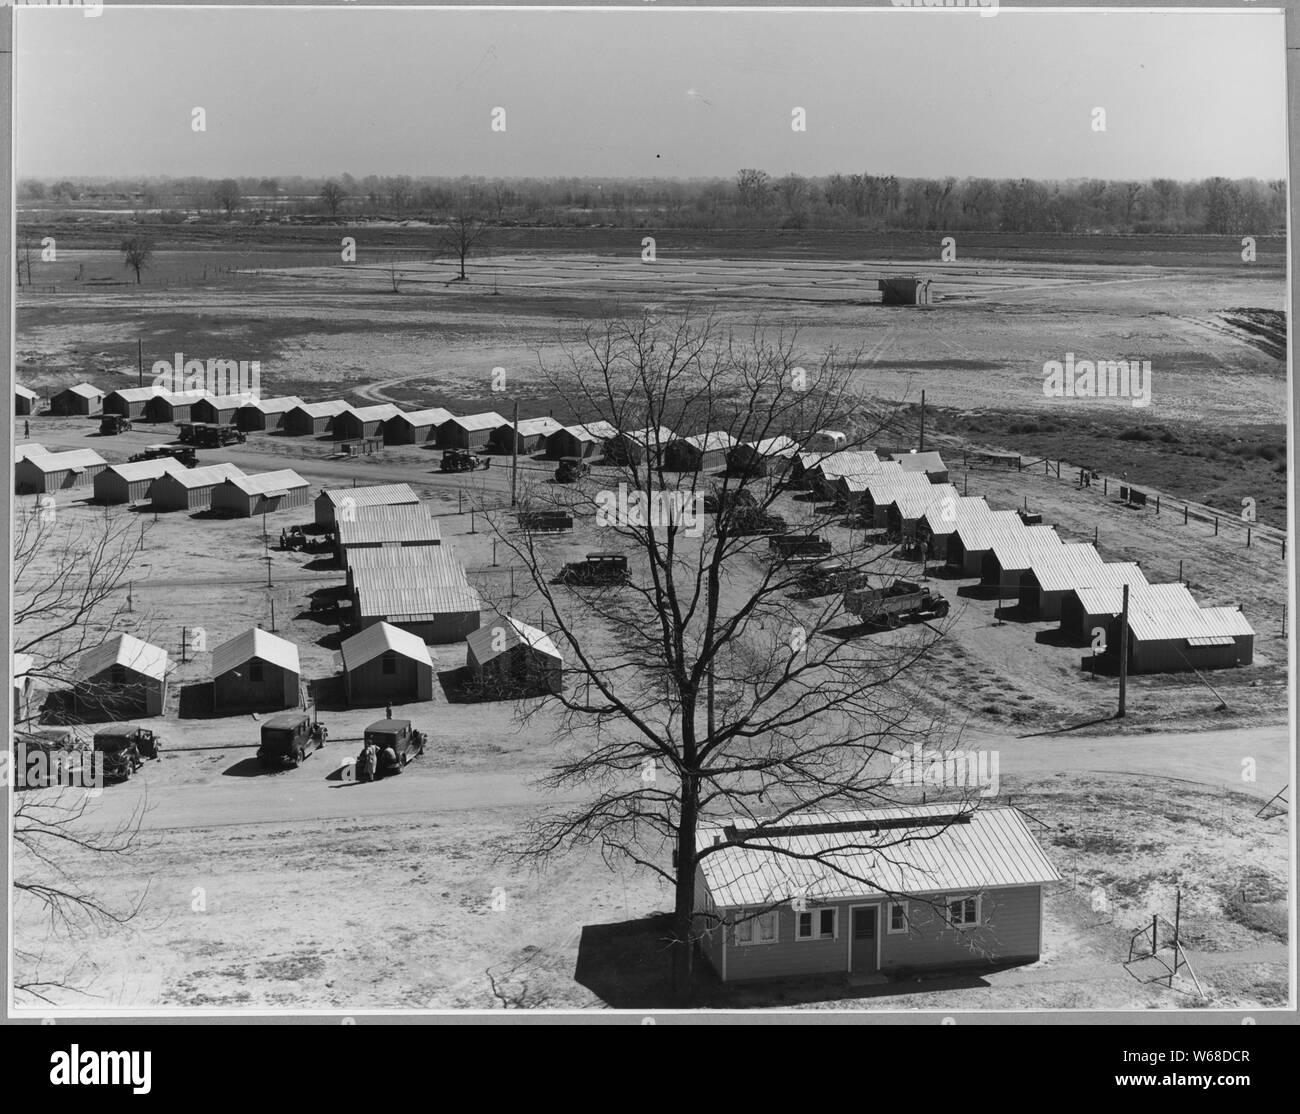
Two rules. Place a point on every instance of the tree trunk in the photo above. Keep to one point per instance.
(684, 906)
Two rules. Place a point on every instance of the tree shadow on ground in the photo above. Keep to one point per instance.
(627, 965)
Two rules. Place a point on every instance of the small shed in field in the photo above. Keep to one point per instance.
(177, 406)
(25, 400)
(1180, 640)
(336, 503)
(48, 472)
(904, 290)
(906, 889)
(384, 663)
(469, 431)
(265, 413)
(366, 421)
(701, 452)
(83, 400)
(133, 483)
(256, 671)
(218, 409)
(130, 402)
(190, 489)
(530, 437)
(416, 427)
(580, 440)
(515, 657)
(263, 493)
(314, 419)
(121, 679)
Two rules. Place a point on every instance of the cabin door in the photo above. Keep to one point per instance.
(862, 938)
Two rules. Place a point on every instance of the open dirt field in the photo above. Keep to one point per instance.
(236, 866)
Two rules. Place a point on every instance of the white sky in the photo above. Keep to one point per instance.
(648, 92)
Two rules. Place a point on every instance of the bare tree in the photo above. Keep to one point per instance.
(464, 232)
(227, 195)
(67, 593)
(332, 195)
(137, 251)
(712, 689)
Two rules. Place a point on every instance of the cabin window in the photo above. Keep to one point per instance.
(963, 911)
(255, 673)
(762, 929)
(389, 663)
(898, 916)
(817, 924)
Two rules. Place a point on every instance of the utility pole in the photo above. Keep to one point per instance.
(1123, 654)
(514, 455)
(139, 360)
(921, 447)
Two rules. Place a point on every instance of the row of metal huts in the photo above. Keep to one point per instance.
(432, 426)
(166, 484)
(407, 590)
(1051, 579)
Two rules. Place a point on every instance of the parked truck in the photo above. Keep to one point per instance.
(396, 743)
(891, 605)
(112, 424)
(182, 454)
(799, 547)
(287, 739)
(462, 460)
(571, 469)
(824, 579)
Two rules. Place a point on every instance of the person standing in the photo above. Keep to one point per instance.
(27, 430)
(388, 711)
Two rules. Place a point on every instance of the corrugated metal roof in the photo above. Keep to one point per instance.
(982, 531)
(85, 390)
(1018, 552)
(22, 664)
(370, 643)
(471, 422)
(255, 643)
(920, 462)
(208, 476)
(146, 469)
(1218, 624)
(268, 483)
(27, 451)
(229, 402)
(715, 442)
(392, 594)
(1060, 568)
(592, 431)
(374, 525)
(967, 508)
(841, 462)
(914, 502)
(329, 409)
(128, 651)
(73, 458)
(380, 412)
(772, 446)
(856, 482)
(433, 416)
(505, 633)
(885, 487)
(535, 427)
(275, 405)
(425, 563)
(994, 848)
(26, 392)
(376, 495)
(138, 394)
(182, 398)
(651, 436)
